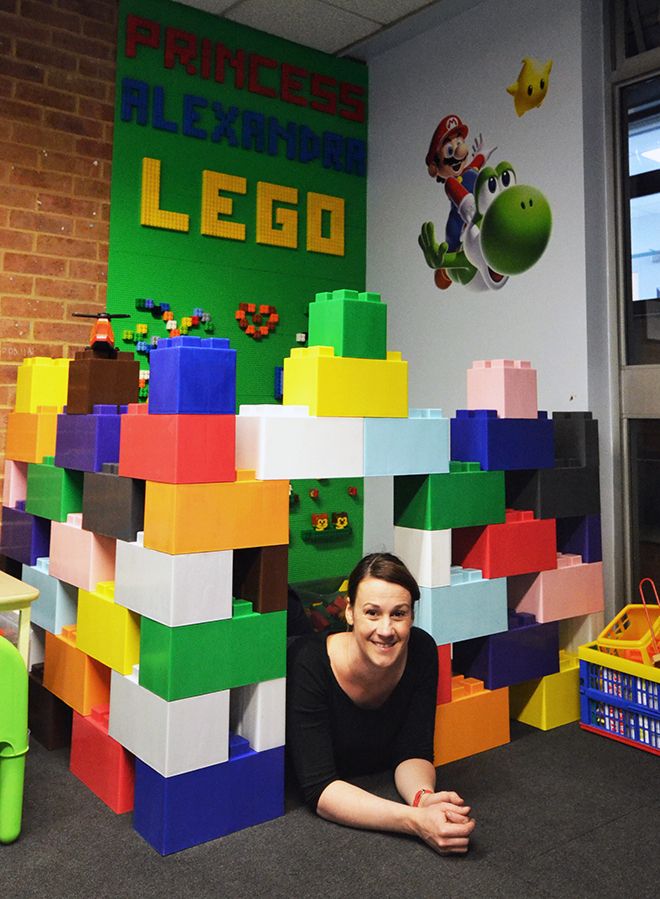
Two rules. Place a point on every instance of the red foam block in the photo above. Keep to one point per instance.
(100, 762)
(522, 544)
(177, 449)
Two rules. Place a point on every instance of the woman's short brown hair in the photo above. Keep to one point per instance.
(385, 567)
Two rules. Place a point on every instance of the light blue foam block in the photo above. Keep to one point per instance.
(418, 444)
(469, 607)
(57, 606)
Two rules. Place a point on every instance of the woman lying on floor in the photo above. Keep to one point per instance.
(364, 701)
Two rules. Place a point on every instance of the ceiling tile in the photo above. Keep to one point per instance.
(378, 11)
(309, 22)
(213, 6)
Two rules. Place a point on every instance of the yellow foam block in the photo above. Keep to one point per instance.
(346, 386)
(41, 381)
(195, 518)
(549, 701)
(31, 435)
(476, 719)
(78, 680)
(108, 632)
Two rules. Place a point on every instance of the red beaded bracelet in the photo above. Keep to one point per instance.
(418, 797)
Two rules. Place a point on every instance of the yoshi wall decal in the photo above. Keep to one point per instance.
(495, 227)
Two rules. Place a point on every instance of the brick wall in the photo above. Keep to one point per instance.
(57, 70)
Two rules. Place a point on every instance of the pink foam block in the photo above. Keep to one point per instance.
(80, 557)
(507, 385)
(572, 588)
(14, 488)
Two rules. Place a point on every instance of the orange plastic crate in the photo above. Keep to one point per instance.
(628, 636)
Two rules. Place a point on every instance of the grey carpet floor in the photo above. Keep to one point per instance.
(563, 813)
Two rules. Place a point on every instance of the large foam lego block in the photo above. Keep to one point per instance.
(80, 557)
(175, 813)
(53, 492)
(352, 323)
(41, 381)
(49, 719)
(170, 737)
(475, 720)
(418, 444)
(14, 485)
(572, 589)
(463, 497)
(575, 632)
(192, 375)
(31, 435)
(342, 386)
(24, 537)
(576, 439)
(426, 553)
(78, 680)
(107, 631)
(260, 576)
(112, 506)
(286, 442)
(506, 385)
(85, 442)
(502, 443)
(469, 607)
(176, 662)
(98, 381)
(444, 673)
(58, 602)
(186, 589)
(177, 449)
(378, 526)
(526, 650)
(554, 492)
(581, 536)
(189, 518)
(549, 701)
(100, 762)
(522, 544)
(257, 712)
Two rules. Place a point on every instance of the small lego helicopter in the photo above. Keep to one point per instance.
(101, 337)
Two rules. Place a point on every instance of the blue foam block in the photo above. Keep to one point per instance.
(399, 446)
(469, 607)
(527, 650)
(192, 375)
(502, 444)
(57, 606)
(580, 536)
(174, 813)
(86, 442)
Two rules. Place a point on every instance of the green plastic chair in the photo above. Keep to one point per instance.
(13, 739)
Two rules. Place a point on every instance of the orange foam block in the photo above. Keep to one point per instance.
(506, 385)
(476, 719)
(573, 588)
(189, 518)
(80, 557)
(75, 678)
(31, 435)
(100, 762)
(177, 449)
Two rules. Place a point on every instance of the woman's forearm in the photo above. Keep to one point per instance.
(413, 775)
(347, 804)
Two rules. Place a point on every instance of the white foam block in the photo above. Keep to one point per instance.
(170, 737)
(286, 443)
(189, 588)
(426, 553)
(257, 713)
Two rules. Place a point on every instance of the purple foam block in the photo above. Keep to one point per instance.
(86, 442)
(25, 537)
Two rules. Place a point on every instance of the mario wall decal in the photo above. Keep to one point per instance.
(495, 227)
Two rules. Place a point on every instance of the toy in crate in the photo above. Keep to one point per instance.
(635, 632)
(619, 682)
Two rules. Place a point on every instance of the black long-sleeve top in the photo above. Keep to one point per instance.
(329, 737)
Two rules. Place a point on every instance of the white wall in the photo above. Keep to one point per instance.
(463, 66)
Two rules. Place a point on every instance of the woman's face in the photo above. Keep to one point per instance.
(381, 616)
